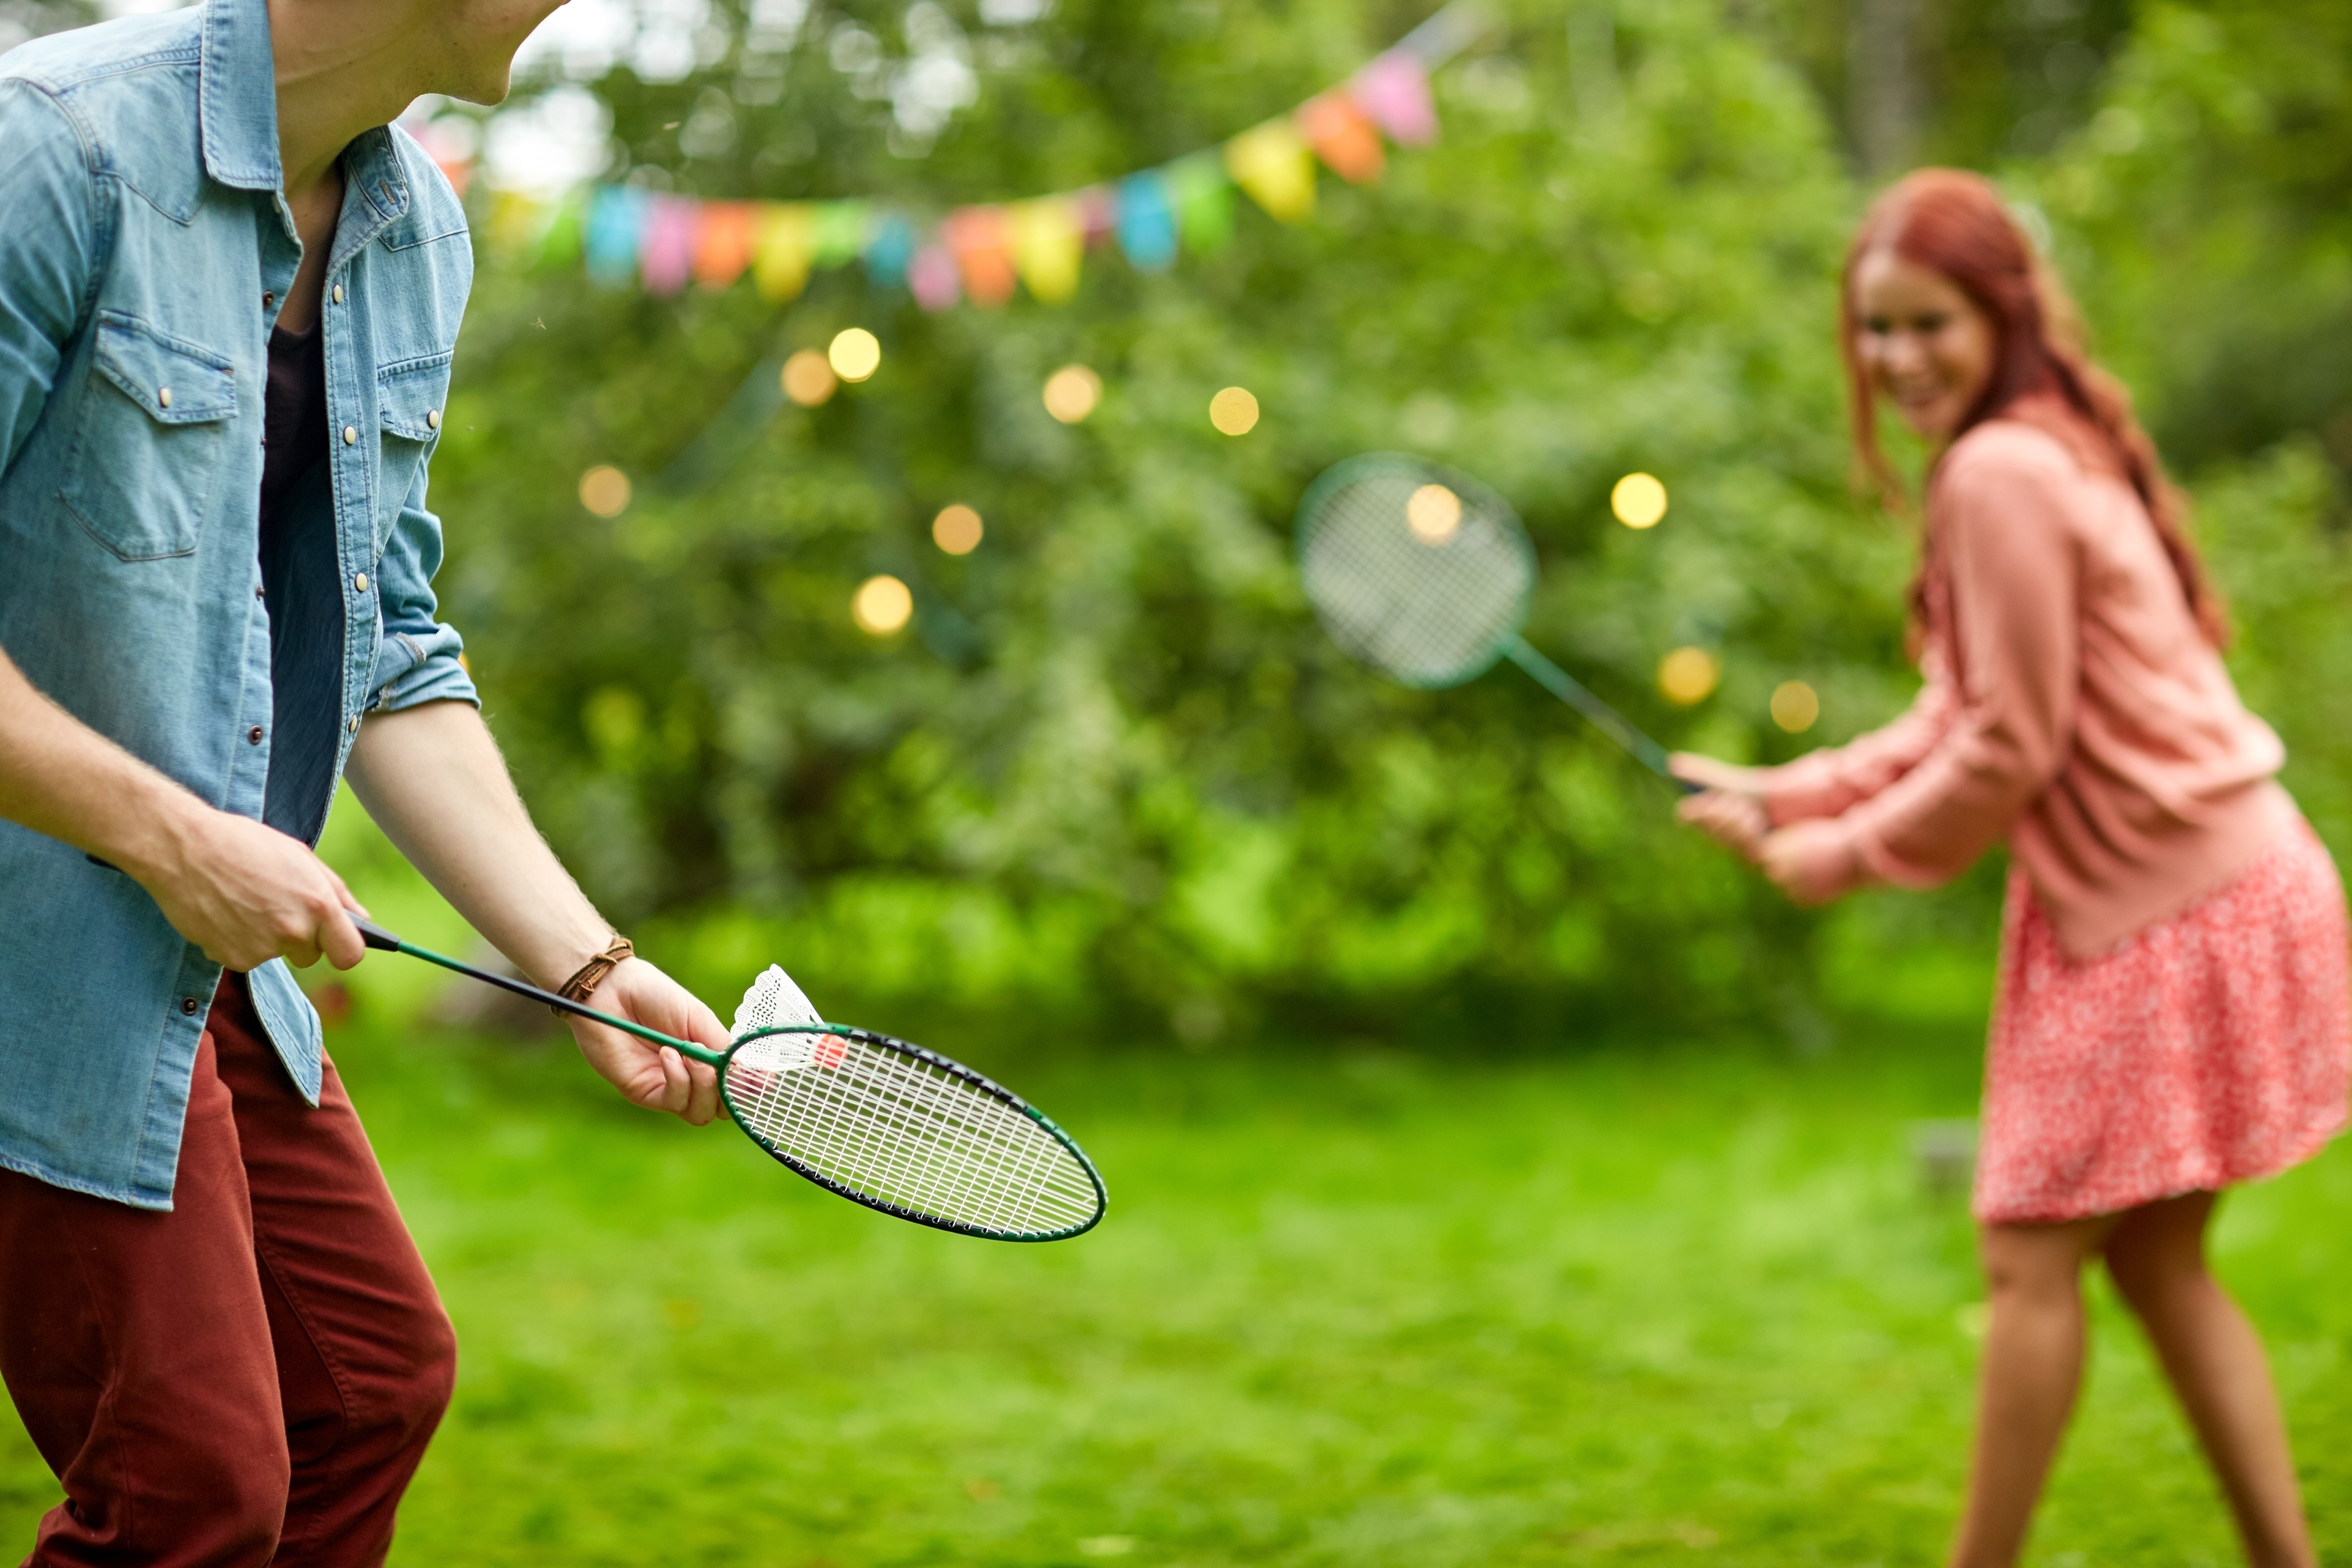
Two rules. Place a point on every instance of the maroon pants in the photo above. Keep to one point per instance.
(248, 1379)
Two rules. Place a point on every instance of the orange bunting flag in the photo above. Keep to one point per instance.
(785, 235)
(724, 248)
(983, 248)
(1343, 136)
(1048, 236)
(1272, 162)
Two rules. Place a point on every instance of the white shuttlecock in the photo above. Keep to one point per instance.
(772, 999)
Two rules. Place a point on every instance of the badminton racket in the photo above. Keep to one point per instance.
(878, 1121)
(1424, 576)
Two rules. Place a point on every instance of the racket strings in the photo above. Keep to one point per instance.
(1429, 613)
(897, 1131)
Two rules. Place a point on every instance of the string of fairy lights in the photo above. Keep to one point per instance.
(882, 605)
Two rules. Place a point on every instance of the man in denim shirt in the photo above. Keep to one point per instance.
(211, 1319)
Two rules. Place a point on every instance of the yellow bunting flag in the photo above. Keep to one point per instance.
(784, 238)
(1273, 164)
(1048, 237)
(517, 222)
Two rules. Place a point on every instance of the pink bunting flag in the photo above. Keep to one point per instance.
(931, 277)
(1393, 89)
(1097, 213)
(667, 255)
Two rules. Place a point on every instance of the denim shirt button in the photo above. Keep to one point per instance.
(253, 736)
(163, 396)
(267, 300)
(358, 582)
(188, 1005)
(351, 435)
(339, 293)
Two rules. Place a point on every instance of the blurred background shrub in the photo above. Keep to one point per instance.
(1112, 770)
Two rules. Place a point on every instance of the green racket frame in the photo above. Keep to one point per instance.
(1510, 643)
(376, 937)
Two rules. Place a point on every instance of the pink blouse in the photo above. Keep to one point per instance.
(2071, 705)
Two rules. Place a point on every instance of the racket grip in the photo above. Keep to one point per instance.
(374, 936)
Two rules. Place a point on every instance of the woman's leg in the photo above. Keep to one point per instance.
(2032, 1364)
(2215, 1360)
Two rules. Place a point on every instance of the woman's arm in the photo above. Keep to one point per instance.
(2007, 503)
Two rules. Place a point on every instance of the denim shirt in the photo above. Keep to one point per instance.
(144, 247)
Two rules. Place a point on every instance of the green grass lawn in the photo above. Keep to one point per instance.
(1640, 1305)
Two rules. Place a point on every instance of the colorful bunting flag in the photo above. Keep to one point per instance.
(1394, 90)
(977, 238)
(724, 248)
(1203, 199)
(1273, 164)
(890, 247)
(780, 256)
(1048, 239)
(1147, 222)
(840, 233)
(931, 277)
(982, 253)
(1343, 136)
(668, 254)
(616, 232)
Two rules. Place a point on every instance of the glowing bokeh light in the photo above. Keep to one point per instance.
(956, 530)
(1688, 674)
(1071, 392)
(1795, 705)
(1233, 411)
(808, 378)
(604, 490)
(1639, 500)
(882, 606)
(1433, 513)
(855, 354)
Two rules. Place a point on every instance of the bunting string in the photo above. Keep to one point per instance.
(984, 253)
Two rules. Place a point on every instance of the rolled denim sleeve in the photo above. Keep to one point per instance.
(50, 239)
(419, 659)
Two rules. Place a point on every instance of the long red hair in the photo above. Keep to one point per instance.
(1956, 223)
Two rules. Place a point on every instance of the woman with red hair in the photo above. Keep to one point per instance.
(2173, 1013)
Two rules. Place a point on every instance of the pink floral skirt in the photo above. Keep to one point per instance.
(2211, 1048)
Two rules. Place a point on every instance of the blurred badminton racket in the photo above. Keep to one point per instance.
(1424, 574)
(878, 1121)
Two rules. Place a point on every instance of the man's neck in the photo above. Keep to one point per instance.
(342, 69)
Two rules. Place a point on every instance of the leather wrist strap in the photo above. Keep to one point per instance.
(590, 974)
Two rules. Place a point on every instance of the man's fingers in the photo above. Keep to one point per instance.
(341, 939)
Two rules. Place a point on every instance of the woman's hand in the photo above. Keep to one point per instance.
(656, 1076)
(1812, 860)
(1728, 809)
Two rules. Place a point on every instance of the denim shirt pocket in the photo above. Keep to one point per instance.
(409, 394)
(153, 430)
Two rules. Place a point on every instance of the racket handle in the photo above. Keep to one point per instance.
(375, 936)
(1605, 719)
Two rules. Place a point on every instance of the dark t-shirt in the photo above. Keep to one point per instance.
(300, 581)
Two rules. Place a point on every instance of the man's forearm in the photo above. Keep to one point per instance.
(60, 777)
(432, 778)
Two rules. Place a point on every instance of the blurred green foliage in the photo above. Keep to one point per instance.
(1114, 766)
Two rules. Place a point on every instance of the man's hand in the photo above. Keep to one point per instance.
(246, 893)
(656, 1076)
